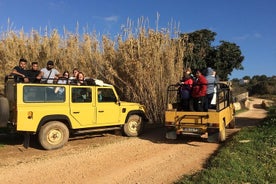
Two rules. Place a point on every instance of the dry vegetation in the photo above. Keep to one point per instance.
(141, 65)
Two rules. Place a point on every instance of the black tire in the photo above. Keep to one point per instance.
(133, 126)
(4, 111)
(53, 135)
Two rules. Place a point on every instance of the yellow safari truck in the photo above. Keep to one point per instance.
(212, 123)
(56, 111)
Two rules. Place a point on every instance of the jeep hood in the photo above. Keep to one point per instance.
(123, 103)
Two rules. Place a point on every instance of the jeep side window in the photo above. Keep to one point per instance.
(106, 95)
(80, 95)
(42, 94)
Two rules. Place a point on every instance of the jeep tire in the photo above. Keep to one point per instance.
(133, 126)
(53, 135)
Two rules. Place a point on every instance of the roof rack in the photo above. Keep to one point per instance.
(89, 81)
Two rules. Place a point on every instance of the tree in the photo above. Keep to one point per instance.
(246, 77)
(224, 58)
(199, 43)
(228, 57)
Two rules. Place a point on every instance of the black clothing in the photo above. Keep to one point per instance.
(18, 78)
(32, 74)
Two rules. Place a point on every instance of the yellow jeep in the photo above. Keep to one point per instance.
(54, 111)
(213, 122)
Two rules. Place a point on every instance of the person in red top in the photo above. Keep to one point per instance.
(199, 92)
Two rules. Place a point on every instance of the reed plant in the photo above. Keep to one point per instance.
(140, 64)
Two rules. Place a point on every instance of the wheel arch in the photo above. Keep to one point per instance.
(57, 117)
(139, 113)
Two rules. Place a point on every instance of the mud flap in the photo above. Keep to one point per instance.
(213, 135)
(171, 134)
(26, 142)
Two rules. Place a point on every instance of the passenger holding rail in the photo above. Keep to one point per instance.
(19, 72)
(49, 74)
(80, 79)
(73, 78)
(64, 79)
(199, 92)
(33, 73)
(185, 88)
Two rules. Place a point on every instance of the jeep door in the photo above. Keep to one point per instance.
(108, 110)
(81, 107)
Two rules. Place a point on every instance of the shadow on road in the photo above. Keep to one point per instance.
(247, 122)
(258, 106)
(158, 135)
(16, 139)
(154, 133)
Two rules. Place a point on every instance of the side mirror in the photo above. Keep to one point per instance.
(117, 101)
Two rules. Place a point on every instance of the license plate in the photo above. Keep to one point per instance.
(190, 129)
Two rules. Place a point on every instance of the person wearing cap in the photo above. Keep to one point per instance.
(49, 73)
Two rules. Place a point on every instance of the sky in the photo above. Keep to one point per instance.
(251, 24)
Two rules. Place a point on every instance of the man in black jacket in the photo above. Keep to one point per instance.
(33, 74)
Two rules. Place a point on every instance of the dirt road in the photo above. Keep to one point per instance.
(107, 158)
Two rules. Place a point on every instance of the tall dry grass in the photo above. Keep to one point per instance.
(141, 63)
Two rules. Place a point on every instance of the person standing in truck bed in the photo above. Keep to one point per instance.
(199, 92)
(211, 79)
(185, 88)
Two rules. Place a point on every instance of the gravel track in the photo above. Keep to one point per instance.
(107, 158)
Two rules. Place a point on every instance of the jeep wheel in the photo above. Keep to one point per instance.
(4, 111)
(53, 135)
(133, 126)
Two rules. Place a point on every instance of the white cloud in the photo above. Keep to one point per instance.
(243, 37)
(107, 19)
(257, 35)
(248, 36)
(111, 18)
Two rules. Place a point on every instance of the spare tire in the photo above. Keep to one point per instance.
(4, 111)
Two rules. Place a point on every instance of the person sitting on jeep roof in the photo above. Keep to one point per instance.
(19, 72)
